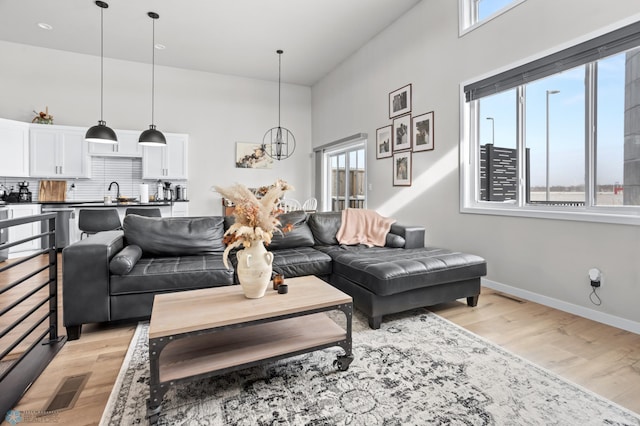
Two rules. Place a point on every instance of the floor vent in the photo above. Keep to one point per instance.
(513, 299)
(67, 392)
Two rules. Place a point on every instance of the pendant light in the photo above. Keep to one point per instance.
(101, 133)
(279, 143)
(152, 137)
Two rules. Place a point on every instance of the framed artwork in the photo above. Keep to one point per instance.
(383, 142)
(402, 168)
(402, 133)
(422, 131)
(252, 156)
(400, 101)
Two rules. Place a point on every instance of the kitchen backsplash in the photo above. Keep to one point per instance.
(104, 170)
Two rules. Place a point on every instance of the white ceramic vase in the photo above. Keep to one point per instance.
(254, 269)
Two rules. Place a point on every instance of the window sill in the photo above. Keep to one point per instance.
(580, 214)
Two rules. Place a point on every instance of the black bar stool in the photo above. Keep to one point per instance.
(92, 221)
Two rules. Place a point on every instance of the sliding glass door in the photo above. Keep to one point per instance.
(345, 178)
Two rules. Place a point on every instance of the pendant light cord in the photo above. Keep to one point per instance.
(101, 63)
(153, 69)
(279, 83)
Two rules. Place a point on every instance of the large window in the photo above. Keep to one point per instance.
(559, 137)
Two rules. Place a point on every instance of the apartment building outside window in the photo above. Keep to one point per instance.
(558, 137)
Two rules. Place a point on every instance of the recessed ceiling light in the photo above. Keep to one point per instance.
(160, 46)
(45, 26)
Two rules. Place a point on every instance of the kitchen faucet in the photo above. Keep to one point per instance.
(117, 189)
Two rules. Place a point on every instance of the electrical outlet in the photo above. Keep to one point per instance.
(595, 276)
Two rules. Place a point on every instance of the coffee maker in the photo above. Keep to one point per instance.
(168, 192)
(24, 195)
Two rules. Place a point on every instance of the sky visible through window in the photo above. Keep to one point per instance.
(566, 124)
(489, 7)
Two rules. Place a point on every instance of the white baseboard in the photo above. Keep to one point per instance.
(591, 314)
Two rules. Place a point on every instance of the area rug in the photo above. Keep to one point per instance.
(417, 369)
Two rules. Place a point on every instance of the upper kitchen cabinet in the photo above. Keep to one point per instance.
(14, 144)
(127, 145)
(59, 151)
(166, 162)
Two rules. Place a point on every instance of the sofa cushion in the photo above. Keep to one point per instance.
(175, 236)
(162, 274)
(324, 227)
(386, 271)
(299, 236)
(123, 262)
(297, 262)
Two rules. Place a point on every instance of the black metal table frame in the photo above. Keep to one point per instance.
(158, 389)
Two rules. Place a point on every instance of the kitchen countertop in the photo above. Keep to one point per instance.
(96, 203)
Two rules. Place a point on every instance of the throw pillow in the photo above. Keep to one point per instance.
(123, 262)
(394, 240)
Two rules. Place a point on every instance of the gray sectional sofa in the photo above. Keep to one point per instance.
(114, 275)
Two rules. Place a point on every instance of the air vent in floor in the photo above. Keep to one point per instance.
(67, 392)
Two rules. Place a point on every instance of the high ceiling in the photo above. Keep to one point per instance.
(237, 37)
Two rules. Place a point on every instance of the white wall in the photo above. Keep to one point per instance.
(215, 110)
(546, 258)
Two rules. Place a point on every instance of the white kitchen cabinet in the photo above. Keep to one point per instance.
(127, 145)
(166, 162)
(58, 151)
(20, 232)
(14, 145)
(180, 209)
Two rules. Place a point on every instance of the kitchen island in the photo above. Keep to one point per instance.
(68, 210)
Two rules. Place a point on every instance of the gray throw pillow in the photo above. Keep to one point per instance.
(123, 262)
(394, 240)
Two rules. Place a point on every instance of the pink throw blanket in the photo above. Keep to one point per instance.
(361, 226)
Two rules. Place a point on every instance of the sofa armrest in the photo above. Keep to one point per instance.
(85, 277)
(413, 235)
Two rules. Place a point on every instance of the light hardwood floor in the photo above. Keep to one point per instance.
(602, 359)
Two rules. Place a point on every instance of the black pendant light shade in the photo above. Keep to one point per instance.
(100, 133)
(278, 142)
(152, 137)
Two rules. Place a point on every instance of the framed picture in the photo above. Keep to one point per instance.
(402, 168)
(400, 101)
(383, 142)
(422, 131)
(402, 133)
(252, 156)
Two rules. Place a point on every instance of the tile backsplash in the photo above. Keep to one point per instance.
(104, 170)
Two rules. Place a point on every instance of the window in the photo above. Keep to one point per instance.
(474, 13)
(560, 136)
(345, 178)
(340, 170)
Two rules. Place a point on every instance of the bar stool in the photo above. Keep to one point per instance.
(92, 221)
(144, 211)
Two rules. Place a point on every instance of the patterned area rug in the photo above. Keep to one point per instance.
(417, 369)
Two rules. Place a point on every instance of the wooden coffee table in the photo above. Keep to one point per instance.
(202, 333)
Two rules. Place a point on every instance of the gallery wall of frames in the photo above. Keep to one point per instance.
(405, 135)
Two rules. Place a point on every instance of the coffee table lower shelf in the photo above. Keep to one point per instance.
(220, 351)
